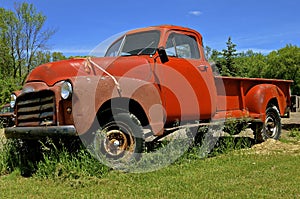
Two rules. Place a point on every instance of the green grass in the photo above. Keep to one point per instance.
(292, 136)
(226, 176)
(295, 133)
(228, 173)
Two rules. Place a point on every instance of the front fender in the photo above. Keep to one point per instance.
(90, 93)
(147, 95)
(258, 97)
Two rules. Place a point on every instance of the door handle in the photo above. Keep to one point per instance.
(203, 68)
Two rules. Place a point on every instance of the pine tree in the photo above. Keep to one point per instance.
(229, 55)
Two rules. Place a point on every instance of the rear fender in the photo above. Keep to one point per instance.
(258, 98)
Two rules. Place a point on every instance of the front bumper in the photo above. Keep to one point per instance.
(34, 133)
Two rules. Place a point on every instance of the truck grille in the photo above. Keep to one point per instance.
(36, 109)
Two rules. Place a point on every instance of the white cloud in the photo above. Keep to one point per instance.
(195, 13)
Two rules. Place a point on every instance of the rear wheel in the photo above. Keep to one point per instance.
(271, 128)
(119, 141)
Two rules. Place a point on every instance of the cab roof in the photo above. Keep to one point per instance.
(163, 27)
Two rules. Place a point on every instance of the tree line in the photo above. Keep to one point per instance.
(24, 46)
(278, 64)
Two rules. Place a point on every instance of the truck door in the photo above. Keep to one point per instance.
(187, 80)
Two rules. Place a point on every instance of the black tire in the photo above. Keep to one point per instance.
(271, 128)
(119, 141)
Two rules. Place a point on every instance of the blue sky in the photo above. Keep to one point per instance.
(260, 25)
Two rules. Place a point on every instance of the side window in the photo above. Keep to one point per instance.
(182, 46)
(114, 49)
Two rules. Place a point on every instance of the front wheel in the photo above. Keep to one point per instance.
(271, 128)
(119, 141)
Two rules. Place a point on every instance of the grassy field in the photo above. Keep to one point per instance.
(268, 170)
(228, 176)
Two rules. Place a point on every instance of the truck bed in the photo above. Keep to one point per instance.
(233, 95)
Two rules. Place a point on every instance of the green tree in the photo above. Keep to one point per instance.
(285, 64)
(45, 57)
(56, 56)
(23, 43)
(6, 61)
(229, 55)
(250, 64)
(208, 52)
(215, 58)
(23, 34)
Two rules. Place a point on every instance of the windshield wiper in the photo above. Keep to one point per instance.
(145, 48)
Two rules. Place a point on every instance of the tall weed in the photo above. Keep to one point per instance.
(68, 159)
(9, 156)
(65, 163)
(48, 159)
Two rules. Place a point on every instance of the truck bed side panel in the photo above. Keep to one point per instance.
(236, 94)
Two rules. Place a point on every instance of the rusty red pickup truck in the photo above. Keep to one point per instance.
(150, 82)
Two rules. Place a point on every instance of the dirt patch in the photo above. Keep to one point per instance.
(272, 146)
(286, 143)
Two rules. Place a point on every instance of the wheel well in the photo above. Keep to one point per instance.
(273, 102)
(118, 105)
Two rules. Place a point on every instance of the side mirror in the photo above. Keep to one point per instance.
(162, 55)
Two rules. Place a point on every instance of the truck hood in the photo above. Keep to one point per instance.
(53, 72)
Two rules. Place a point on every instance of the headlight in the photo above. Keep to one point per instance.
(66, 90)
(13, 99)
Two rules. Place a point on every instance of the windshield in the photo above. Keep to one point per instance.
(143, 43)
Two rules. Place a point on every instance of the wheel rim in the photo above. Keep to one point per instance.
(271, 126)
(118, 140)
(115, 142)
